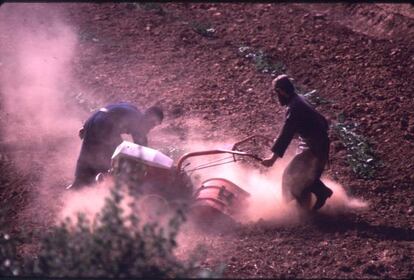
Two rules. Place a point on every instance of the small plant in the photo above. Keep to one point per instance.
(204, 29)
(112, 245)
(9, 263)
(360, 155)
(150, 6)
(312, 96)
(315, 99)
(263, 61)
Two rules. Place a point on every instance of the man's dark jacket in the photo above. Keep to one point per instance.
(102, 134)
(105, 126)
(311, 127)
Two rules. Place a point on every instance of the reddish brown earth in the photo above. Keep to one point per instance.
(362, 63)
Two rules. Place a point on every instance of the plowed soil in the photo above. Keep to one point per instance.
(359, 57)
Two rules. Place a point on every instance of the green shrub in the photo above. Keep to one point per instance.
(112, 245)
(263, 62)
(204, 29)
(360, 155)
(9, 263)
(315, 99)
(150, 6)
(312, 96)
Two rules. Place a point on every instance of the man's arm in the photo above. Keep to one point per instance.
(270, 161)
(282, 142)
(140, 139)
(82, 132)
(135, 127)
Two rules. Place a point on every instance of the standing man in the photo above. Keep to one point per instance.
(101, 134)
(302, 175)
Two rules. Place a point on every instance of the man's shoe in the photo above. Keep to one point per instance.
(321, 199)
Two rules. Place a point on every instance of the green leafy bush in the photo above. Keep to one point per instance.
(360, 155)
(315, 99)
(9, 264)
(150, 6)
(204, 29)
(263, 62)
(111, 245)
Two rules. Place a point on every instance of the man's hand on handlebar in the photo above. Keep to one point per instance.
(82, 132)
(269, 161)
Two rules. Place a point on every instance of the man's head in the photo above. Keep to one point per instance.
(153, 116)
(284, 89)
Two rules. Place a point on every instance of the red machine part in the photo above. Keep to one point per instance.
(222, 195)
(218, 199)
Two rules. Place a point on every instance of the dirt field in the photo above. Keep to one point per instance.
(188, 58)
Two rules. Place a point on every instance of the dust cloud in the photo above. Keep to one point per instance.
(341, 202)
(165, 138)
(90, 201)
(264, 185)
(36, 53)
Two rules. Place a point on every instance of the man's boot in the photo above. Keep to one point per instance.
(322, 193)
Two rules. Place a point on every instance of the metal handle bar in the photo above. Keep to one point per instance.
(268, 140)
(213, 152)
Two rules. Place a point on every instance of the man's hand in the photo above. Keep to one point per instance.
(269, 161)
(82, 132)
(140, 140)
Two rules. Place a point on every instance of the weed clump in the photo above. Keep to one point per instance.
(315, 99)
(150, 6)
(204, 29)
(360, 155)
(263, 62)
(113, 244)
(9, 263)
